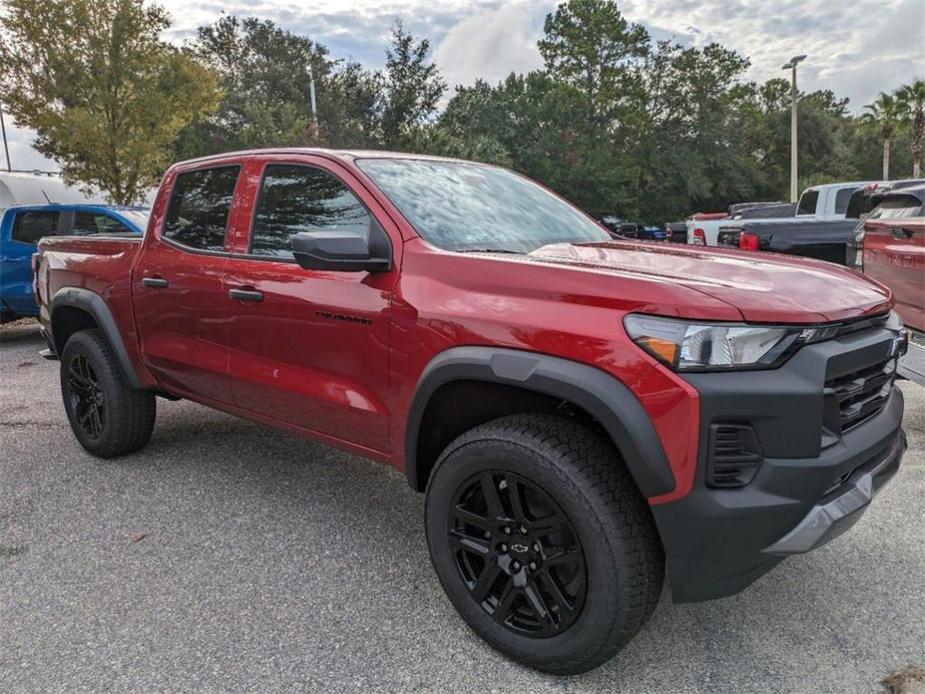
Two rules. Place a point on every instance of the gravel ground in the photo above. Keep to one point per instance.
(229, 557)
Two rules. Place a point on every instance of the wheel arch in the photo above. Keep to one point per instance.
(76, 308)
(542, 382)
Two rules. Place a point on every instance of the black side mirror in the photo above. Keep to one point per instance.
(343, 250)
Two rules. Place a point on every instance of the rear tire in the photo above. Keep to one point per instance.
(560, 616)
(108, 416)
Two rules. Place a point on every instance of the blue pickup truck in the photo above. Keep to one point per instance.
(22, 226)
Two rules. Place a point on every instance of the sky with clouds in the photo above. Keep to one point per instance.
(856, 49)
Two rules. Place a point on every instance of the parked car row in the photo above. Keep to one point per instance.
(809, 236)
(818, 203)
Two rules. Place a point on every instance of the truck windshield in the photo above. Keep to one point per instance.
(459, 206)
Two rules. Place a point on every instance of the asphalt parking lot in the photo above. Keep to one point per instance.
(225, 556)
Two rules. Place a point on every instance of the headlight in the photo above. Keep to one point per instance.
(689, 346)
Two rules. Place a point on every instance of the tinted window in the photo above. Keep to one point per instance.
(856, 204)
(295, 199)
(898, 208)
(460, 206)
(808, 202)
(842, 197)
(29, 227)
(199, 207)
(90, 223)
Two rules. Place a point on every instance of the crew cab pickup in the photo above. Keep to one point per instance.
(579, 409)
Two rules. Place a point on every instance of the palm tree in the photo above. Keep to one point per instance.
(885, 112)
(911, 98)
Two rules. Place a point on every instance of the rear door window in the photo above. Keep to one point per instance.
(199, 207)
(29, 227)
(842, 198)
(808, 202)
(93, 223)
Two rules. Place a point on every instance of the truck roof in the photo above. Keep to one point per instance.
(917, 191)
(80, 206)
(345, 154)
(846, 184)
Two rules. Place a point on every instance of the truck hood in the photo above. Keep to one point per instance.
(766, 288)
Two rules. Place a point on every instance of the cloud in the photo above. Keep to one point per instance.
(856, 51)
(492, 43)
(22, 155)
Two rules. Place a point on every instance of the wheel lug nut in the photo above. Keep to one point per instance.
(507, 531)
(532, 566)
(523, 530)
(536, 547)
(504, 548)
(516, 566)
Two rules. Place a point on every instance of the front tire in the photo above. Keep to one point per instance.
(108, 416)
(542, 541)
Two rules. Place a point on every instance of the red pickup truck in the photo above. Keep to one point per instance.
(580, 411)
(890, 247)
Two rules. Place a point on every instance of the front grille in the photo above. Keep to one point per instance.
(862, 394)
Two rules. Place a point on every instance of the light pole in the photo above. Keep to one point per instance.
(311, 88)
(6, 147)
(792, 66)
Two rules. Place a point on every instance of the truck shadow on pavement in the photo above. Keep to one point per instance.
(784, 624)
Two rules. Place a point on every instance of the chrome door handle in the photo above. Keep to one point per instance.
(245, 294)
(155, 282)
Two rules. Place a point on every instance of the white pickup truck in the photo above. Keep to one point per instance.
(823, 202)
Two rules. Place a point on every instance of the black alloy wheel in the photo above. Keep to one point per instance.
(107, 415)
(518, 553)
(542, 541)
(86, 395)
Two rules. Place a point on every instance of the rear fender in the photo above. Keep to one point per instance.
(93, 304)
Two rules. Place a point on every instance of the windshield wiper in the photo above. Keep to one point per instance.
(490, 250)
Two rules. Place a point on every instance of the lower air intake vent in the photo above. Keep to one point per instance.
(734, 455)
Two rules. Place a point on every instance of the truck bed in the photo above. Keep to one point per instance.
(101, 264)
(819, 239)
(97, 263)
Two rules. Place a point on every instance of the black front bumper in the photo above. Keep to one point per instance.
(812, 482)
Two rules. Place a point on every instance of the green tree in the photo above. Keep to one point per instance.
(591, 46)
(886, 113)
(264, 74)
(351, 110)
(688, 155)
(912, 103)
(413, 87)
(104, 93)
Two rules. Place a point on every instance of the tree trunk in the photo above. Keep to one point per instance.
(886, 159)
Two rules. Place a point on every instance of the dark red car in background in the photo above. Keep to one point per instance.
(890, 248)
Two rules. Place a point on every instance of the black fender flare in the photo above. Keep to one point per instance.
(604, 397)
(95, 305)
